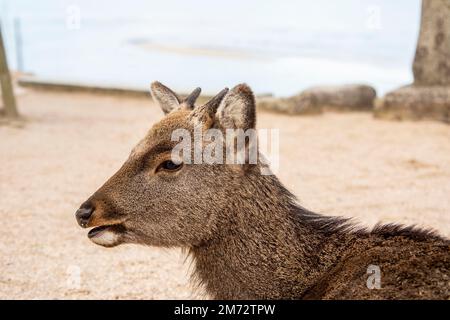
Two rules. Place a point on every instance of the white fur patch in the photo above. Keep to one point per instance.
(105, 238)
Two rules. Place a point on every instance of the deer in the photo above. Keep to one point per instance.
(247, 234)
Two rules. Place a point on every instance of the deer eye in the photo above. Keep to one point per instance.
(169, 165)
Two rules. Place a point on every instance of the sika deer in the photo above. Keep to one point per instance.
(247, 234)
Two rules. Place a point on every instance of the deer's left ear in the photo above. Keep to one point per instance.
(237, 109)
(166, 98)
(169, 101)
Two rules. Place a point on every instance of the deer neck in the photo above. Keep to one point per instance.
(264, 249)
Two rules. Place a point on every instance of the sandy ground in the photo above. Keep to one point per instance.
(340, 164)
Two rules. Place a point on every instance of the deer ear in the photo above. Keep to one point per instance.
(166, 98)
(237, 109)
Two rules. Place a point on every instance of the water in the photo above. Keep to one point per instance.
(276, 47)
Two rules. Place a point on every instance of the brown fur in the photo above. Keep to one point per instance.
(246, 233)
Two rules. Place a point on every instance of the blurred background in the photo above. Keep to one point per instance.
(277, 48)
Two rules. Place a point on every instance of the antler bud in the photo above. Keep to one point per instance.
(189, 101)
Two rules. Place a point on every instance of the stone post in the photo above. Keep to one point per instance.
(429, 96)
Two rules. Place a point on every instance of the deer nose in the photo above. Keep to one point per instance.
(84, 214)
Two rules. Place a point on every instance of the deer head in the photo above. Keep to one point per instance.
(154, 199)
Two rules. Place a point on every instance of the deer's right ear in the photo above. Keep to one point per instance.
(166, 98)
(237, 109)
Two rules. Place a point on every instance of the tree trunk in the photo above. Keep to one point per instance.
(432, 61)
(9, 102)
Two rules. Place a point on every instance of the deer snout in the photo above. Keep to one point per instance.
(84, 214)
